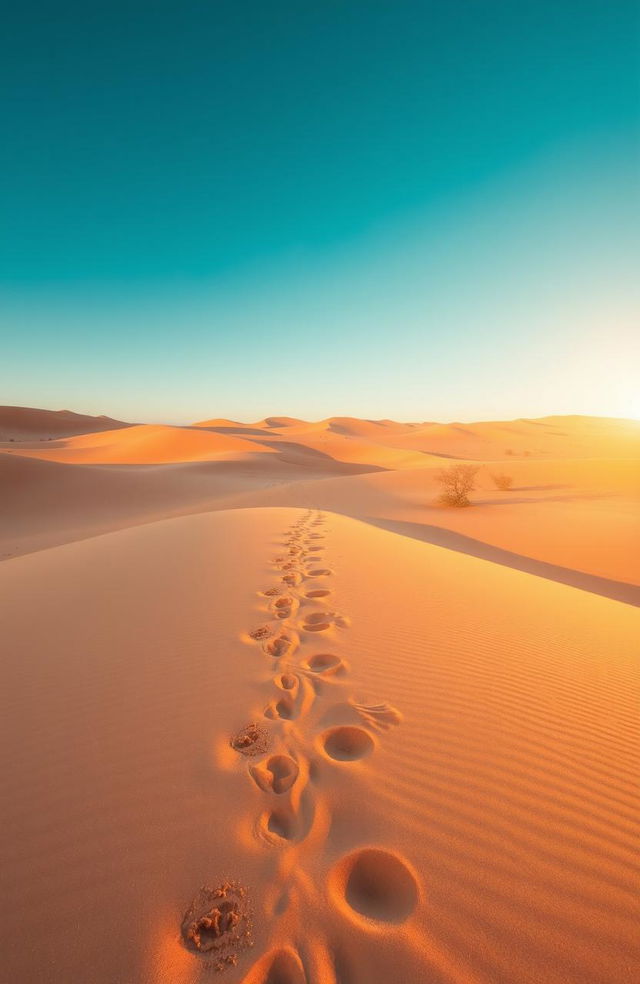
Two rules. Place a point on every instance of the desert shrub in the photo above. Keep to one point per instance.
(503, 482)
(457, 481)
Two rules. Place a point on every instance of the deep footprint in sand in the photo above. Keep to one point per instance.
(317, 593)
(318, 622)
(346, 743)
(285, 606)
(279, 646)
(318, 572)
(285, 709)
(262, 632)
(325, 663)
(376, 884)
(321, 621)
(277, 967)
(292, 579)
(278, 825)
(277, 775)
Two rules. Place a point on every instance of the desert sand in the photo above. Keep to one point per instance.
(273, 715)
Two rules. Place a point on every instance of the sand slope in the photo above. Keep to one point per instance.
(573, 506)
(448, 793)
(28, 423)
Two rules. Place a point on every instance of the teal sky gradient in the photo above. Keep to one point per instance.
(415, 210)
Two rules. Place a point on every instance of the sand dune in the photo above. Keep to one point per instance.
(573, 504)
(426, 757)
(143, 445)
(27, 423)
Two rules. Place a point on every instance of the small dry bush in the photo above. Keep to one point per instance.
(503, 482)
(457, 481)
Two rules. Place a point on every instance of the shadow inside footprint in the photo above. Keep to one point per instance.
(378, 884)
(347, 743)
(324, 663)
(283, 708)
(278, 647)
(277, 967)
(277, 775)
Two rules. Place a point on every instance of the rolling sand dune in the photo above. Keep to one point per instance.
(144, 445)
(573, 505)
(27, 423)
(294, 748)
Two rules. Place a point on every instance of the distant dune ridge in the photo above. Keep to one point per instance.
(22, 423)
(573, 504)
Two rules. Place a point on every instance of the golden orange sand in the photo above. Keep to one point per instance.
(572, 514)
(449, 793)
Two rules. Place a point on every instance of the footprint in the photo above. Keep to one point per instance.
(347, 743)
(325, 663)
(277, 967)
(277, 775)
(319, 572)
(314, 549)
(288, 681)
(317, 593)
(319, 621)
(279, 646)
(376, 884)
(262, 632)
(292, 578)
(272, 592)
(278, 825)
(316, 536)
(285, 709)
(285, 606)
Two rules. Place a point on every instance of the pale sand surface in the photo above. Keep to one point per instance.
(478, 825)
(445, 780)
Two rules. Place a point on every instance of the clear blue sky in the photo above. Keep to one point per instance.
(423, 210)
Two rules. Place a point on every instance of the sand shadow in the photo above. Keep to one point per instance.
(622, 591)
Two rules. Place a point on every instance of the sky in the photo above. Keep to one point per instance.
(416, 210)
